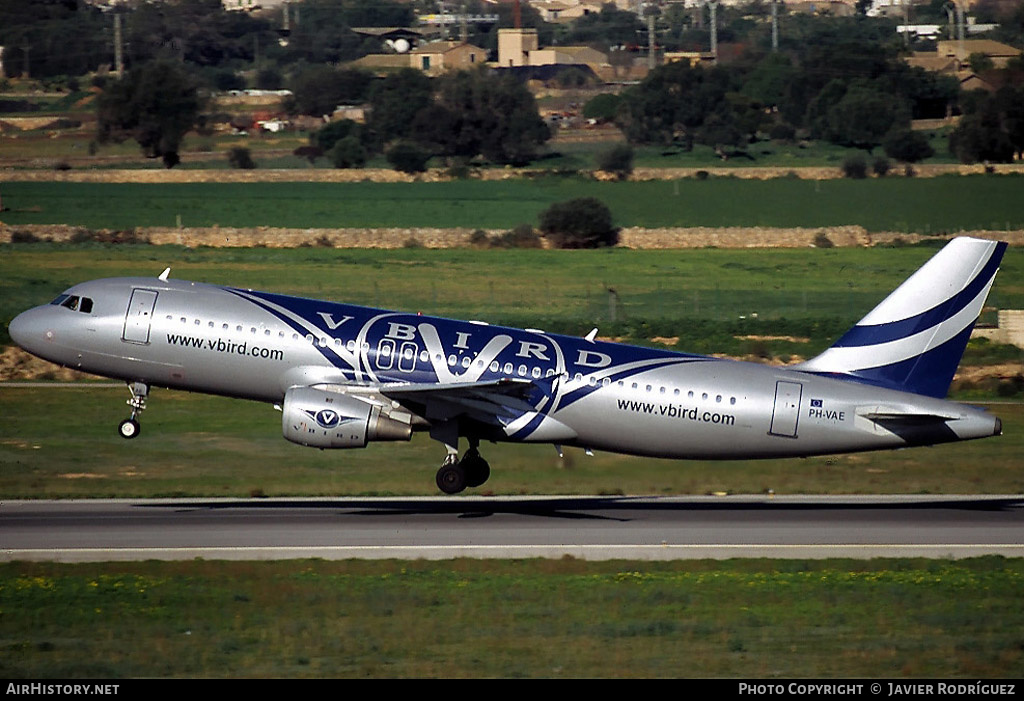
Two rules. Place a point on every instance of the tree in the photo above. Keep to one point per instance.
(617, 160)
(993, 130)
(333, 132)
(864, 116)
(60, 37)
(407, 157)
(581, 223)
(656, 111)
(602, 107)
(907, 146)
(241, 157)
(156, 104)
(348, 152)
(317, 90)
(480, 113)
(394, 103)
(855, 166)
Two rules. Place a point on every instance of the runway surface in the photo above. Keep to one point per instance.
(593, 528)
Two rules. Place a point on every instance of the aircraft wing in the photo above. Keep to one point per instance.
(503, 403)
(494, 402)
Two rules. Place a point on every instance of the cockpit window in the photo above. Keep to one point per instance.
(75, 303)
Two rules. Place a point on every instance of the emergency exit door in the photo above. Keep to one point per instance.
(139, 318)
(787, 409)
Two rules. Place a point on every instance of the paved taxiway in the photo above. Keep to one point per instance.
(510, 527)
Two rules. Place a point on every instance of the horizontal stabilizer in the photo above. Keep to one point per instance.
(908, 418)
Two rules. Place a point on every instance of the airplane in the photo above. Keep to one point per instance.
(344, 376)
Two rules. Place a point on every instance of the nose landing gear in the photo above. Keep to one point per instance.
(130, 428)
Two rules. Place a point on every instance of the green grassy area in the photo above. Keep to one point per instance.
(568, 155)
(923, 205)
(531, 619)
(60, 442)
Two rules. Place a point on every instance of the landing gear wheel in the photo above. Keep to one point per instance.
(477, 470)
(451, 478)
(129, 428)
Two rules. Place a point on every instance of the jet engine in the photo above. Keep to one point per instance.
(320, 419)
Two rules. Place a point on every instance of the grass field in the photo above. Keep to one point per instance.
(62, 443)
(923, 205)
(533, 619)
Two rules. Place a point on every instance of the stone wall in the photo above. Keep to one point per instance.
(383, 175)
(630, 237)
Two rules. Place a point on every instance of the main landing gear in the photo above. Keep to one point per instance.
(455, 475)
(130, 428)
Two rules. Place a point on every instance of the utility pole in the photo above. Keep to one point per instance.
(775, 26)
(118, 47)
(652, 57)
(285, 7)
(906, 22)
(960, 24)
(713, 6)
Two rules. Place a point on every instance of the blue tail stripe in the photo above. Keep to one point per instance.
(883, 333)
(929, 374)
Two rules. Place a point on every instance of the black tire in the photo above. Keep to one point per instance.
(451, 479)
(477, 472)
(129, 428)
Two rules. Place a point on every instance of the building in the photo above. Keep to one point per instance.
(515, 45)
(694, 58)
(520, 47)
(440, 56)
(999, 53)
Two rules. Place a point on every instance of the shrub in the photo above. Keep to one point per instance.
(907, 146)
(20, 236)
(880, 166)
(479, 239)
(331, 133)
(855, 166)
(617, 160)
(310, 153)
(523, 236)
(240, 157)
(782, 132)
(348, 153)
(581, 223)
(602, 107)
(407, 157)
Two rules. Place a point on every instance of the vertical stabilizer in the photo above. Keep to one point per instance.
(914, 339)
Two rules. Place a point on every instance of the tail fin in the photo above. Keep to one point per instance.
(914, 339)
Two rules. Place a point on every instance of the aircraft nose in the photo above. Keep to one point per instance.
(29, 330)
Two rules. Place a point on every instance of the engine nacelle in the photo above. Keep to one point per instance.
(321, 419)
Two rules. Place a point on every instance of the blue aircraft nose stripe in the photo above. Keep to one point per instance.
(326, 351)
(860, 336)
